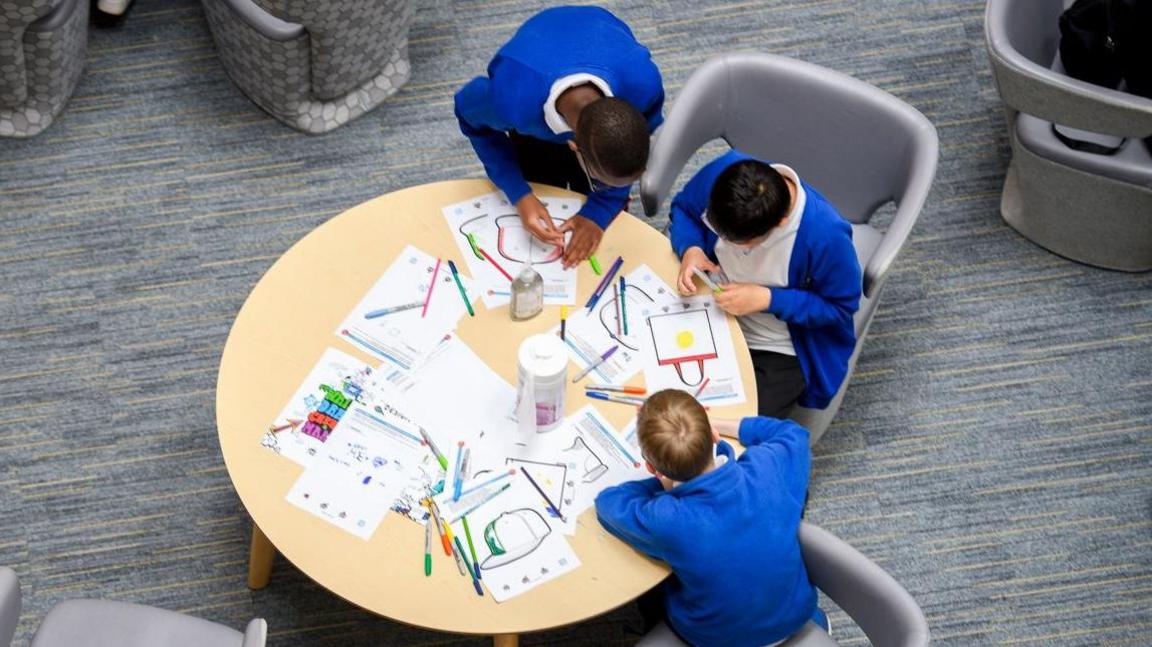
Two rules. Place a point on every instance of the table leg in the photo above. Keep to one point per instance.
(506, 640)
(260, 558)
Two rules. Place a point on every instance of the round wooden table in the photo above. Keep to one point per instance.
(281, 331)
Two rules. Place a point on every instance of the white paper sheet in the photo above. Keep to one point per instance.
(690, 342)
(358, 473)
(310, 416)
(428, 475)
(498, 231)
(403, 338)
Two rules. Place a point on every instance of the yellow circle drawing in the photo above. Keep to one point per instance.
(684, 338)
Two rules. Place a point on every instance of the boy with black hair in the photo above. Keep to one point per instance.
(728, 527)
(794, 282)
(570, 101)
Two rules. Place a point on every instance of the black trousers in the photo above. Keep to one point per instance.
(779, 382)
(549, 163)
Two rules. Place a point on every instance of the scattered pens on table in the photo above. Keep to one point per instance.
(439, 527)
(472, 573)
(596, 364)
(608, 278)
(595, 263)
(440, 458)
(463, 294)
(622, 399)
(456, 479)
(563, 320)
(471, 546)
(481, 502)
(494, 479)
(623, 305)
(428, 548)
(635, 390)
(616, 302)
(387, 311)
(703, 385)
(291, 424)
(495, 264)
(707, 280)
(457, 554)
(474, 245)
(547, 499)
(431, 286)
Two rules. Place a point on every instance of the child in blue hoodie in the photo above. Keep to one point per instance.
(569, 101)
(727, 527)
(793, 279)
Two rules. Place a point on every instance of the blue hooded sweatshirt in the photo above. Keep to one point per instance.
(553, 44)
(730, 536)
(824, 279)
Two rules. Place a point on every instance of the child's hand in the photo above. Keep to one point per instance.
(693, 257)
(586, 237)
(740, 299)
(534, 215)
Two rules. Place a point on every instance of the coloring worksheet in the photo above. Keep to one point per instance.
(597, 457)
(357, 475)
(391, 321)
(428, 475)
(619, 321)
(516, 541)
(503, 247)
(689, 347)
(336, 382)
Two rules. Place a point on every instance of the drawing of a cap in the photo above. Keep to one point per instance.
(512, 535)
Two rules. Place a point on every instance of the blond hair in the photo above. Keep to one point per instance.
(675, 435)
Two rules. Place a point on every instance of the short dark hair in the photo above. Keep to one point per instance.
(613, 137)
(748, 199)
(675, 434)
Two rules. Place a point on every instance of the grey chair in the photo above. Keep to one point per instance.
(42, 48)
(1091, 208)
(313, 65)
(858, 145)
(103, 623)
(883, 610)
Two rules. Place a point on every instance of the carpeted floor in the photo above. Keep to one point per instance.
(994, 451)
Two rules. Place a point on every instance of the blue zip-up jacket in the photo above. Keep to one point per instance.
(730, 537)
(824, 279)
(553, 44)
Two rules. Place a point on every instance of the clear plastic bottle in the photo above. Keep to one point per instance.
(527, 294)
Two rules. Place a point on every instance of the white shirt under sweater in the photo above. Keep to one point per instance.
(765, 264)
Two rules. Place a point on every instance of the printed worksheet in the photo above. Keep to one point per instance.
(504, 247)
(357, 475)
(428, 475)
(391, 321)
(336, 382)
(689, 347)
(618, 320)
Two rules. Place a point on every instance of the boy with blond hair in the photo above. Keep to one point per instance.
(728, 527)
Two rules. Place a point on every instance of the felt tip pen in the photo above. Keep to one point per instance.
(634, 401)
(594, 365)
(431, 285)
(474, 245)
(563, 321)
(480, 486)
(387, 311)
(608, 278)
(496, 265)
(703, 385)
(435, 450)
(439, 527)
(460, 286)
(468, 565)
(707, 280)
(595, 263)
(428, 548)
(540, 490)
(471, 546)
(481, 502)
(456, 478)
(635, 390)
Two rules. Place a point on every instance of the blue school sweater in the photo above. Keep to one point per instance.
(824, 279)
(730, 537)
(553, 44)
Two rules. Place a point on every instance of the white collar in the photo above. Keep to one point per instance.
(552, 117)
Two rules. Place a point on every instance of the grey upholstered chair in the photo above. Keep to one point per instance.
(1088, 207)
(42, 48)
(877, 603)
(858, 145)
(313, 65)
(103, 623)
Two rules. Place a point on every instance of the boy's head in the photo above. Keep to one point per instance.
(675, 436)
(748, 200)
(611, 139)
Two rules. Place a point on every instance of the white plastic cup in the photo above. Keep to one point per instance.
(542, 380)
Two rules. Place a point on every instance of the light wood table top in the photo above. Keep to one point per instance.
(280, 333)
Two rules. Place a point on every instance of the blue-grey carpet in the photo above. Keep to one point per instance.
(993, 452)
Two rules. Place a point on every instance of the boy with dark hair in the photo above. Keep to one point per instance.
(569, 101)
(727, 527)
(794, 279)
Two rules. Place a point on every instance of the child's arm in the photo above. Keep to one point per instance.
(626, 510)
(782, 447)
(726, 426)
(604, 204)
(834, 294)
(477, 116)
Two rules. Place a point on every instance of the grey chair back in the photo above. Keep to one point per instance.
(875, 601)
(1023, 38)
(858, 145)
(9, 605)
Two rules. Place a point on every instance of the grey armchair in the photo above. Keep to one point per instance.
(103, 623)
(858, 145)
(313, 65)
(1089, 207)
(42, 48)
(883, 610)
